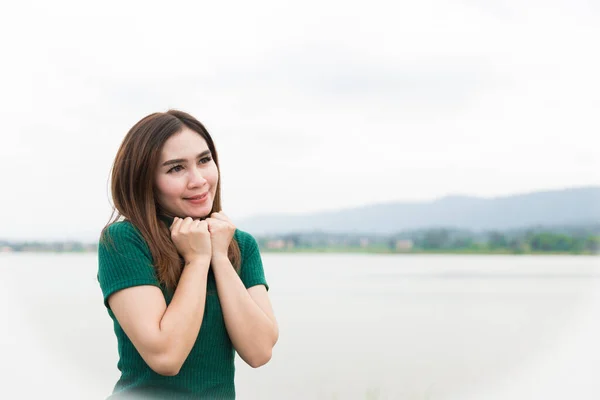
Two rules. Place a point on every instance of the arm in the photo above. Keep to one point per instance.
(248, 314)
(164, 336)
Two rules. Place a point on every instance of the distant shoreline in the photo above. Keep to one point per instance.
(361, 251)
(417, 252)
(582, 240)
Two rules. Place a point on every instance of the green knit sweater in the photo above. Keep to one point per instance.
(208, 372)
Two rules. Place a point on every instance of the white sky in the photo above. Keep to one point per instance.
(314, 105)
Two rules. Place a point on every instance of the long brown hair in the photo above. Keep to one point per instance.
(132, 187)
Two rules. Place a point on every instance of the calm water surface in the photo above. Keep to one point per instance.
(351, 327)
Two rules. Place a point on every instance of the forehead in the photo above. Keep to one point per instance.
(184, 144)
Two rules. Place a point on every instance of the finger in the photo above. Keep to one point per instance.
(203, 226)
(175, 225)
(197, 225)
(186, 224)
(213, 224)
(221, 216)
(215, 221)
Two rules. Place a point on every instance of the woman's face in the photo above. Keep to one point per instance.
(187, 176)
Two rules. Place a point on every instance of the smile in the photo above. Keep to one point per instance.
(197, 199)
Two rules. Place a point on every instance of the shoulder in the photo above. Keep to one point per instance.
(243, 236)
(119, 231)
(246, 241)
(122, 235)
(124, 259)
(252, 272)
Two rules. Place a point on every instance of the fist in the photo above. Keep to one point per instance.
(191, 238)
(221, 232)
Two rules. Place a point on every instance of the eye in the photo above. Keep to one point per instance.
(176, 168)
(205, 160)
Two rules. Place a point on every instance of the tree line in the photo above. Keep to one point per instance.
(584, 239)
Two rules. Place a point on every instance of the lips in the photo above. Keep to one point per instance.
(199, 197)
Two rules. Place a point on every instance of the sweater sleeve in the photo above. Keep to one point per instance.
(124, 260)
(252, 272)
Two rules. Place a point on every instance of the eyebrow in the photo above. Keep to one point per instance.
(183, 160)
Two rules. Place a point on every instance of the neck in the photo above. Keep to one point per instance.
(166, 218)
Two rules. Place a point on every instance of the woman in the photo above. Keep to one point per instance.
(185, 289)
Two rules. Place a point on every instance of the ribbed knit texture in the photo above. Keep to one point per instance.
(208, 372)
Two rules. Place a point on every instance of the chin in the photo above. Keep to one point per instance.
(200, 214)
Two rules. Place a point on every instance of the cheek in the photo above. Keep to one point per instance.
(214, 176)
(166, 187)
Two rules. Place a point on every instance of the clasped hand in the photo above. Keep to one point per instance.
(196, 239)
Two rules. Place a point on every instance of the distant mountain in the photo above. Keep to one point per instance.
(550, 208)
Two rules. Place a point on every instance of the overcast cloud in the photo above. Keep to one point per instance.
(315, 105)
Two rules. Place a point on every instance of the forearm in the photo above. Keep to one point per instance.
(251, 331)
(181, 321)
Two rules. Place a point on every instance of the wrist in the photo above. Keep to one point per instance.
(198, 261)
(219, 257)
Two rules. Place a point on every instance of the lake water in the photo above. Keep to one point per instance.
(351, 327)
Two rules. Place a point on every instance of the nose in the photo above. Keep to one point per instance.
(195, 178)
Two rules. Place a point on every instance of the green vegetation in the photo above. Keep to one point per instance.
(52, 247)
(557, 240)
(582, 239)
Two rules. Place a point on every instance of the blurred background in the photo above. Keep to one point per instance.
(423, 179)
